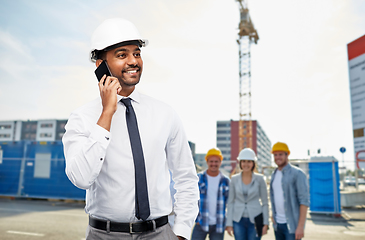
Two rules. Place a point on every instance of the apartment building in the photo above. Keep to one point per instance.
(34, 130)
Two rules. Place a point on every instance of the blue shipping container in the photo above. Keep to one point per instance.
(36, 170)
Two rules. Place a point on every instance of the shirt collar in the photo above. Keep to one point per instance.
(135, 96)
(286, 168)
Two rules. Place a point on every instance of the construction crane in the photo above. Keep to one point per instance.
(246, 36)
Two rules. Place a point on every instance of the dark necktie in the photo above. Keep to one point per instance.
(142, 203)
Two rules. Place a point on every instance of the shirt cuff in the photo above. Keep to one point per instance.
(182, 230)
(101, 135)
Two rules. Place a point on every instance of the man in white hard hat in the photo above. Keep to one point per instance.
(121, 146)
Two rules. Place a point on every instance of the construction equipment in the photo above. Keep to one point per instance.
(247, 34)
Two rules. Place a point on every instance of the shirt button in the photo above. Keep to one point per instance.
(101, 159)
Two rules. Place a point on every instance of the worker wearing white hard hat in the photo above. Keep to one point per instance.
(122, 146)
(247, 207)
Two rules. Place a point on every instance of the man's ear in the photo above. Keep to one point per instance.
(98, 62)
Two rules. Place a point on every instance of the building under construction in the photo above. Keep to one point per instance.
(228, 142)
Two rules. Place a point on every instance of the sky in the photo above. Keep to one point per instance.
(299, 67)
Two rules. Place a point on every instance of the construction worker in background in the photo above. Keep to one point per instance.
(289, 196)
(122, 146)
(248, 204)
(213, 187)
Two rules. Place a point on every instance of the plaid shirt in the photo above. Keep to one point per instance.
(203, 216)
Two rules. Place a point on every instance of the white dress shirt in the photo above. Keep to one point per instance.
(102, 163)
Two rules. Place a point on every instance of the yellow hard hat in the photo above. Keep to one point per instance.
(214, 152)
(280, 146)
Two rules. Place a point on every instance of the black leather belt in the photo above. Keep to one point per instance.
(136, 227)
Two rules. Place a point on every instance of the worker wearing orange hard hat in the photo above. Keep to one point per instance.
(213, 187)
(289, 196)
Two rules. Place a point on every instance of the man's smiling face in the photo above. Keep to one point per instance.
(125, 63)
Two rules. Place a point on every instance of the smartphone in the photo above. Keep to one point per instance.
(101, 70)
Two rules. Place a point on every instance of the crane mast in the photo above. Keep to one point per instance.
(246, 36)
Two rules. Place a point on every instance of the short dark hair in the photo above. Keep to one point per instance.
(101, 55)
(253, 167)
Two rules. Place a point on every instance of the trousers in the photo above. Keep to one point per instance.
(244, 230)
(282, 232)
(199, 234)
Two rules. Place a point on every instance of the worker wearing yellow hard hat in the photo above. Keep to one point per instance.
(214, 152)
(280, 146)
(288, 185)
(213, 187)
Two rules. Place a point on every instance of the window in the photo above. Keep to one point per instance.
(46, 125)
(4, 135)
(29, 136)
(5, 126)
(221, 145)
(223, 131)
(223, 138)
(223, 124)
(47, 135)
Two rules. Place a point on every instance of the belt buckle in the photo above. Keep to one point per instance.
(131, 228)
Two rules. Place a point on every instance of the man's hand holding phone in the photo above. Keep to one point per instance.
(108, 93)
(109, 87)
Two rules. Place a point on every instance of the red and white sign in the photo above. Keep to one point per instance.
(356, 58)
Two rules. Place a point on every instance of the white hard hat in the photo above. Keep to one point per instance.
(247, 154)
(113, 31)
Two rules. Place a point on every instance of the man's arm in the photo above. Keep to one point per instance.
(303, 198)
(85, 142)
(299, 232)
(184, 175)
